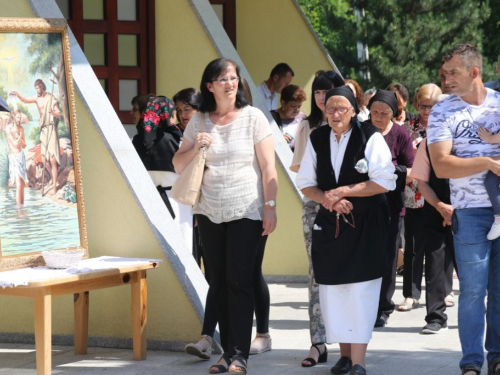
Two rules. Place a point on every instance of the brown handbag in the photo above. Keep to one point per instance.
(187, 188)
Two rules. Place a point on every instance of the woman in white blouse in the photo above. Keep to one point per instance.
(237, 208)
(347, 168)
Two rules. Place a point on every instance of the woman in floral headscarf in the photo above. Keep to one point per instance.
(156, 143)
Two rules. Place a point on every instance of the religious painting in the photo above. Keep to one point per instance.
(41, 201)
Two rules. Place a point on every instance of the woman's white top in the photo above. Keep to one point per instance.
(380, 167)
(364, 114)
(232, 182)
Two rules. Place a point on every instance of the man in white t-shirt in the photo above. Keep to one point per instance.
(280, 77)
(458, 153)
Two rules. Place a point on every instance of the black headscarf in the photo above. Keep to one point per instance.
(388, 97)
(157, 140)
(347, 93)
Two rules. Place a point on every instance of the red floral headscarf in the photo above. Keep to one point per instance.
(155, 118)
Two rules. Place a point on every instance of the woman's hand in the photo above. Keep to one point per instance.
(288, 139)
(485, 134)
(203, 139)
(446, 211)
(269, 221)
(331, 197)
(343, 206)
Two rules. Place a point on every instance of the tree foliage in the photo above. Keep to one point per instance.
(406, 38)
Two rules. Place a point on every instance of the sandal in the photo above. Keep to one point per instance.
(323, 357)
(450, 300)
(262, 343)
(220, 368)
(408, 304)
(199, 349)
(240, 368)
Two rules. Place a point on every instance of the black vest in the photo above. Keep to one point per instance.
(320, 139)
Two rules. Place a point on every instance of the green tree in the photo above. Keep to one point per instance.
(407, 38)
(491, 32)
(334, 23)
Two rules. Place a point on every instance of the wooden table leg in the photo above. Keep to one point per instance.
(139, 315)
(43, 331)
(81, 306)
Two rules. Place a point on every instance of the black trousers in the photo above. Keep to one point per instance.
(261, 297)
(231, 253)
(385, 304)
(414, 253)
(438, 263)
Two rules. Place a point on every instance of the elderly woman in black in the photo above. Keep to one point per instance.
(347, 168)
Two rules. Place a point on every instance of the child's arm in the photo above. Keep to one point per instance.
(487, 137)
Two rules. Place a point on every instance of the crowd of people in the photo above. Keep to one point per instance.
(375, 177)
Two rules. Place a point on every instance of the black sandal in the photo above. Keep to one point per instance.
(470, 367)
(220, 369)
(241, 368)
(323, 357)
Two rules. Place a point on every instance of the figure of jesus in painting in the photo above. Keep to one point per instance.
(49, 111)
(14, 132)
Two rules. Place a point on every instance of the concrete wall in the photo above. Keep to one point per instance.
(125, 215)
(183, 48)
(269, 32)
(118, 193)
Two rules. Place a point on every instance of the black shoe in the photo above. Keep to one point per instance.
(471, 367)
(358, 370)
(434, 327)
(323, 357)
(343, 366)
(492, 368)
(381, 321)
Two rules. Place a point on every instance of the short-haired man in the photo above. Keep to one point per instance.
(458, 153)
(495, 85)
(445, 87)
(280, 77)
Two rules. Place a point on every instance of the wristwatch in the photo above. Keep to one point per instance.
(270, 203)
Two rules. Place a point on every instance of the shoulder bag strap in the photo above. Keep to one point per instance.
(202, 121)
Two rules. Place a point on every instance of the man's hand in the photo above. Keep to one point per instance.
(495, 165)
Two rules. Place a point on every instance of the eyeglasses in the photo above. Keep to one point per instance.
(340, 110)
(329, 73)
(424, 107)
(223, 81)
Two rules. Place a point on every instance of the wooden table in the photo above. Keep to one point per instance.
(80, 285)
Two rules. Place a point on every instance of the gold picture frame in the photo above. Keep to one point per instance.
(41, 193)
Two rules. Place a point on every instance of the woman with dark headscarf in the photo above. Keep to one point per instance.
(156, 142)
(323, 82)
(346, 169)
(383, 108)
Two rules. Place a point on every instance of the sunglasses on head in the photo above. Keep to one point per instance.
(329, 73)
